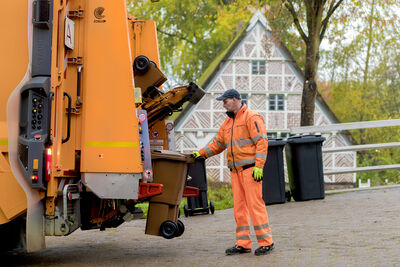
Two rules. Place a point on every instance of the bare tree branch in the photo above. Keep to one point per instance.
(175, 35)
(290, 7)
(331, 10)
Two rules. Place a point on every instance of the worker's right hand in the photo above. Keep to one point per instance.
(195, 154)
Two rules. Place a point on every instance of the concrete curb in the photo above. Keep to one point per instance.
(331, 192)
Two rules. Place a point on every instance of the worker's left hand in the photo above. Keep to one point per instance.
(257, 174)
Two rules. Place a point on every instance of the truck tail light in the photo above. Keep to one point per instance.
(48, 164)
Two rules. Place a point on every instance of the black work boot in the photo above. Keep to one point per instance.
(264, 250)
(237, 250)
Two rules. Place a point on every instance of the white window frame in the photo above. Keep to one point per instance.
(278, 102)
(260, 67)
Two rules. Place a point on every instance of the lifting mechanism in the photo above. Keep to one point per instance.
(84, 135)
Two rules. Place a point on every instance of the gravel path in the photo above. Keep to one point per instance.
(349, 229)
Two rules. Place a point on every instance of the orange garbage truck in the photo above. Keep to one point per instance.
(84, 135)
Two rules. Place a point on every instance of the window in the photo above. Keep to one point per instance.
(272, 135)
(258, 67)
(244, 98)
(276, 102)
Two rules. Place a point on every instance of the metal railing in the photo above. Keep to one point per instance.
(337, 128)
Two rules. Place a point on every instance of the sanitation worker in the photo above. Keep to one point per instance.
(243, 134)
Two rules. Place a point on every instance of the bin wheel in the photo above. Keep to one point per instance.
(186, 211)
(181, 228)
(141, 64)
(288, 196)
(212, 208)
(169, 229)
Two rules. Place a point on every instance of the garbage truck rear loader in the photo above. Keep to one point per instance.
(80, 103)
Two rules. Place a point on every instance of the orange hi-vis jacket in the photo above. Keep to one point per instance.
(245, 138)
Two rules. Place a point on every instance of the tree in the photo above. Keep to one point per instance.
(192, 34)
(364, 67)
(365, 77)
(317, 15)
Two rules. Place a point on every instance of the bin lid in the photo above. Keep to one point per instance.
(171, 155)
(276, 142)
(306, 139)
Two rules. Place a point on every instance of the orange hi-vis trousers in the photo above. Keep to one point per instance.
(247, 200)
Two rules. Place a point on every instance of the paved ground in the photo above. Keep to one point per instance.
(348, 229)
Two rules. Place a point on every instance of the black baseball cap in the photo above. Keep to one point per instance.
(231, 93)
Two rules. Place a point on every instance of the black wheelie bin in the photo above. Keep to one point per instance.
(305, 167)
(273, 186)
(198, 178)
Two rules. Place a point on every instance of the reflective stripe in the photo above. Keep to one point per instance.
(111, 144)
(244, 142)
(219, 143)
(209, 152)
(263, 236)
(261, 155)
(241, 162)
(262, 226)
(242, 237)
(242, 228)
(3, 142)
(258, 137)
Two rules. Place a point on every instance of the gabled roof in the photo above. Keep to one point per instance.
(214, 67)
(220, 60)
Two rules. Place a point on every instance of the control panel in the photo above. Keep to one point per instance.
(34, 125)
(37, 112)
